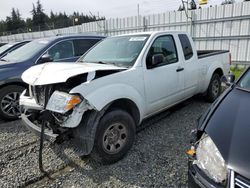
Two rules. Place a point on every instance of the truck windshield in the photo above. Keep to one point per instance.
(26, 52)
(120, 51)
(245, 81)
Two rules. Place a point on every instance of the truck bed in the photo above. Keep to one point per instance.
(207, 53)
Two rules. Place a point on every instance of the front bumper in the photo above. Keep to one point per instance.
(29, 103)
(197, 178)
(36, 129)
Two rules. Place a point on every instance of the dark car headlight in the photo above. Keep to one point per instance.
(209, 160)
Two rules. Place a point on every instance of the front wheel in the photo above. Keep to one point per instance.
(9, 102)
(115, 135)
(214, 88)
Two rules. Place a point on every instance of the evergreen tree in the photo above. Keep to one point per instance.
(40, 21)
(38, 16)
(14, 22)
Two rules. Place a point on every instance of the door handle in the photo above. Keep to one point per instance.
(179, 69)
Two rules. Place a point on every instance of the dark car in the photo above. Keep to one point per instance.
(57, 49)
(7, 48)
(220, 155)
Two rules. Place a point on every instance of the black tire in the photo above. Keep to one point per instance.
(214, 88)
(12, 91)
(103, 146)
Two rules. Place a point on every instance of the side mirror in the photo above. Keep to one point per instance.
(45, 58)
(157, 59)
(228, 79)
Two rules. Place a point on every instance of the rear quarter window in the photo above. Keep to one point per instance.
(83, 45)
(186, 46)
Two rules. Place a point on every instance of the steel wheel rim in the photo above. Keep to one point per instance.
(114, 138)
(215, 87)
(10, 104)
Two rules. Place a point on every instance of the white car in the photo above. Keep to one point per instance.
(100, 100)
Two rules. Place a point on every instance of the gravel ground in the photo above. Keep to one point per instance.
(157, 158)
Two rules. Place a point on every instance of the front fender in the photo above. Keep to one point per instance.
(101, 97)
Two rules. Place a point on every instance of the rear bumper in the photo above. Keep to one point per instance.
(197, 178)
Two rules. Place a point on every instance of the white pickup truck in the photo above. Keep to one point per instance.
(100, 100)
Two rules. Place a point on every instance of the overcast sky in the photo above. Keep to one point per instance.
(107, 8)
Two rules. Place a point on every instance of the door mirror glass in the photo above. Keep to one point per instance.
(228, 79)
(45, 58)
(157, 59)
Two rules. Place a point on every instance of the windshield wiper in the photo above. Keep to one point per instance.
(101, 62)
(98, 62)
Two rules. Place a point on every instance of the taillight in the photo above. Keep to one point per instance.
(230, 59)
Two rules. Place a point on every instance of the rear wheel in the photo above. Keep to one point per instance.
(214, 88)
(114, 137)
(9, 102)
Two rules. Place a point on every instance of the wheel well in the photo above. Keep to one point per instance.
(219, 72)
(14, 83)
(129, 106)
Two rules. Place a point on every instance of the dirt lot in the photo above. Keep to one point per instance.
(156, 160)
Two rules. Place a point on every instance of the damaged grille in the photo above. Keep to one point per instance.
(42, 94)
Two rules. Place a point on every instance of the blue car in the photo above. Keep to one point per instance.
(7, 48)
(56, 49)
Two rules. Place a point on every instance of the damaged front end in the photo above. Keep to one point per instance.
(49, 110)
(53, 104)
(51, 101)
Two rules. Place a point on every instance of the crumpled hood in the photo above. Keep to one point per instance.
(50, 73)
(229, 128)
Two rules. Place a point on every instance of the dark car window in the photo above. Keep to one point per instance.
(27, 51)
(164, 45)
(82, 45)
(186, 46)
(245, 81)
(5, 47)
(16, 47)
(62, 50)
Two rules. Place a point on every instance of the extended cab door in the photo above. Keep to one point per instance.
(190, 66)
(163, 81)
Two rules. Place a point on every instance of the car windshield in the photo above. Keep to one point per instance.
(245, 81)
(120, 51)
(26, 52)
(5, 47)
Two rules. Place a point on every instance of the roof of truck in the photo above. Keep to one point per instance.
(154, 32)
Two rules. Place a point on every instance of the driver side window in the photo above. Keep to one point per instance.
(165, 46)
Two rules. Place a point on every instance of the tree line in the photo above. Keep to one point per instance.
(40, 21)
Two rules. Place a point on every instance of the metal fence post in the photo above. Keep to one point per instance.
(144, 24)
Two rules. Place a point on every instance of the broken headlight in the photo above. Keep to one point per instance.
(210, 160)
(62, 102)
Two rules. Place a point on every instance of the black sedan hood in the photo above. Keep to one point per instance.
(229, 128)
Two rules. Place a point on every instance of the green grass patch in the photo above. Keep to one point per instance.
(237, 71)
